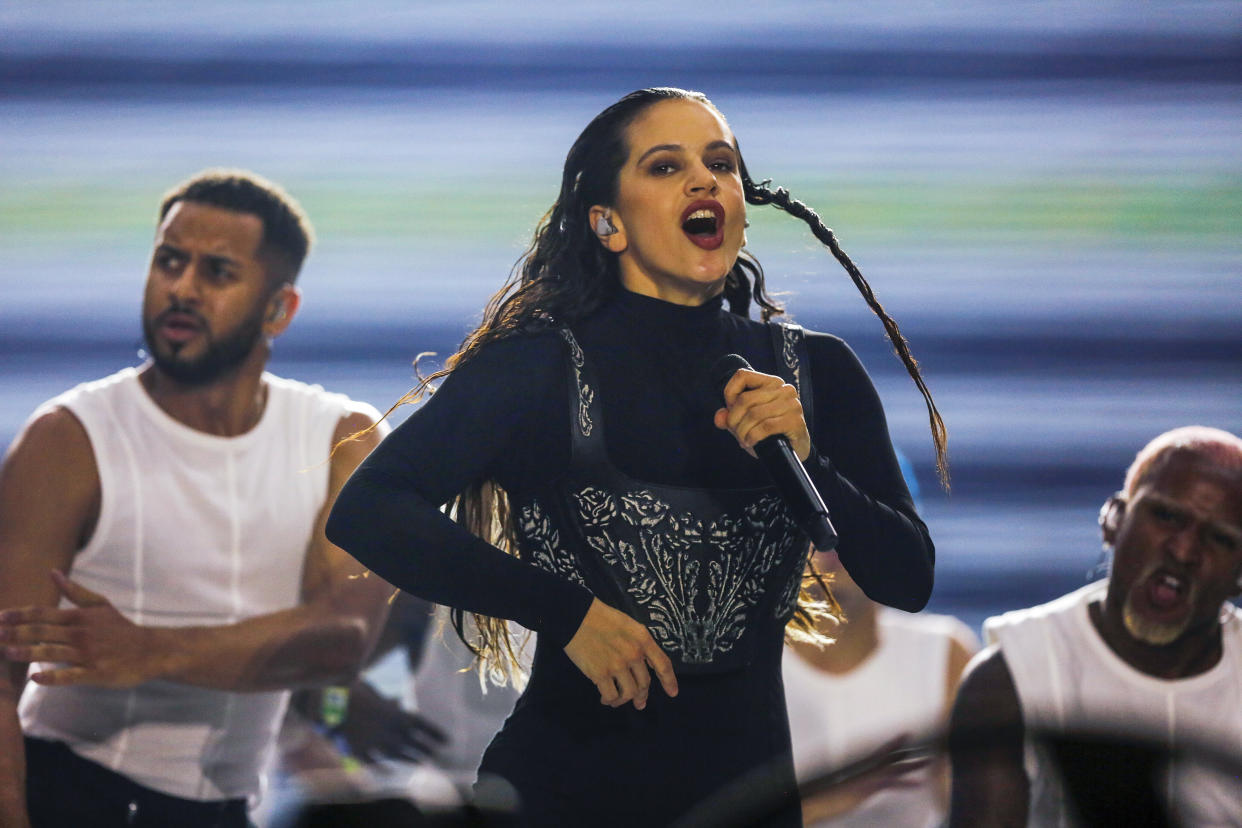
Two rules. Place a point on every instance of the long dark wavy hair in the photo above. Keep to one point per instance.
(566, 274)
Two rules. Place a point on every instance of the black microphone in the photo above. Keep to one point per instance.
(787, 472)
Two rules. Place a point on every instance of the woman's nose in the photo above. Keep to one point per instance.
(703, 180)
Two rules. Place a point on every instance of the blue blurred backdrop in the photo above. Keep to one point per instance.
(1047, 196)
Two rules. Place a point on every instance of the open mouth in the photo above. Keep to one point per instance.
(179, 326)
(1166, 591)
(703, 224)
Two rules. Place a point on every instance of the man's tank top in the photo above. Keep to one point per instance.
(194, 529)
(836, 719)
(1068, 678)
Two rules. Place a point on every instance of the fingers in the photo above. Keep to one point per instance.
(618, 686)
(35, 634)
(608, 693)
(758, 406)
(614, 651)
(642, 682)
(51, 616)
(626, 677)
(40, 633)
(75, 592)
(60, 677)
(743, 381)
(631, 682)
(44, 652)
(627, 688)
(781, 416)
(663, 667)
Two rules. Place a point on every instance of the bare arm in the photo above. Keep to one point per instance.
(962, 647)
(990, 787)
(49, 500)
(324, 639)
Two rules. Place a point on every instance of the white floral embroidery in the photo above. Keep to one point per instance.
(787, 604)
(697, 583)
(543, 542)
(586, 394)
(789, 340)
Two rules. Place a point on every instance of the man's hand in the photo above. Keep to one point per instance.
(377, 727)
(761, 405)
(98, 645)
(617, 653)
(888, 767)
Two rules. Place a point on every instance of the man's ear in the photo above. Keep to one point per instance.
(282, 306)
(1111, 513)
(607, 227)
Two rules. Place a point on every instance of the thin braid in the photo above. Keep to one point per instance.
(780, 198)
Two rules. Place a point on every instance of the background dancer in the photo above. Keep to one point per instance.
(1124, 669)
(185, 502)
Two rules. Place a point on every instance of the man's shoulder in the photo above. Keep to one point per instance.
(120, 382)
(928, 626)
(313, 394)
(996, 627)
(80, 410)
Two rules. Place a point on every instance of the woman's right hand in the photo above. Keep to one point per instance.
(618, 654)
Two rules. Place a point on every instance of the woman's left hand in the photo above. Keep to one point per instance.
(760, 405)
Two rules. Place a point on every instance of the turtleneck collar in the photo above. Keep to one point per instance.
(650, 311)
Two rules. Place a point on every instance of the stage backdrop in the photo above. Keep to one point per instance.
(1047, 197)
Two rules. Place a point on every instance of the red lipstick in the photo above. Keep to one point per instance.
(703, 223)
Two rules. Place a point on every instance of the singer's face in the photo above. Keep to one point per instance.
(1178, 552)
(680, 211)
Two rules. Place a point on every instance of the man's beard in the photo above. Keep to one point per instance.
(1156, 633)
(219, 356)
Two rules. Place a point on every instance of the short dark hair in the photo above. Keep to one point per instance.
(287, 233)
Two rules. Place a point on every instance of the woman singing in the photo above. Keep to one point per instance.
(606, 493)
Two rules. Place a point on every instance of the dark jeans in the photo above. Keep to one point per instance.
(63, 790)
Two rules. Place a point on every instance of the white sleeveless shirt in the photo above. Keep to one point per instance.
(194, 529)
(1067, 677)
(899, 688)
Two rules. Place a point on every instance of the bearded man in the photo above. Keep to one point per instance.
(1121, 703)
(162, 552)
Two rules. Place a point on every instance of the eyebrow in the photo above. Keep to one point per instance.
(1173, 505)
(214, 258)
(714, 145)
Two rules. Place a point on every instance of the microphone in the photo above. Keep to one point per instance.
(786, 470)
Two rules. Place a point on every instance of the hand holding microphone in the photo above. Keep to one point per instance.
(762, 412)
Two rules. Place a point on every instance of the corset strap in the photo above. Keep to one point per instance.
(794, 363)
(587, 433)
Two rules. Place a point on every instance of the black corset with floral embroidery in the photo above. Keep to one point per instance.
(708, 571)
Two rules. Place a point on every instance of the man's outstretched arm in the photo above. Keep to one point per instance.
(323, 640)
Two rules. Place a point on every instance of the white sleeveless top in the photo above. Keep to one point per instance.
(1067, 677)
(194, 529)
(899, 688)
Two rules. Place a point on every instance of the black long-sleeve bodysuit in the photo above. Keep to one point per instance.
(506, 415)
